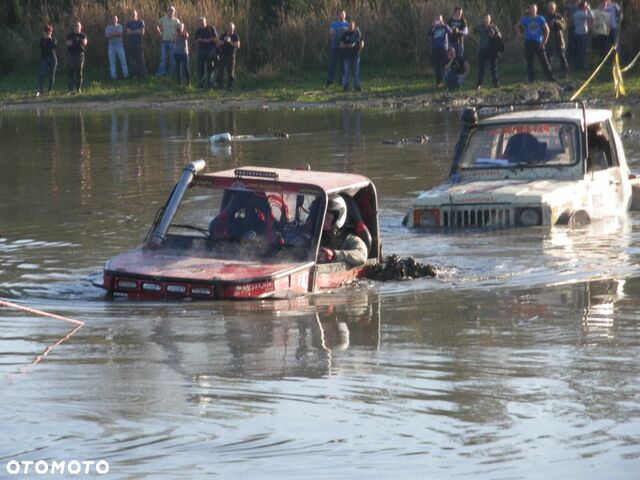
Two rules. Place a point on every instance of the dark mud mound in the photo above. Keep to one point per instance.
(397, 268)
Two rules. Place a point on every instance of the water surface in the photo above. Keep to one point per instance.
(520, 361)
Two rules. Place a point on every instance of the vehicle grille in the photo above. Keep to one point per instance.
(461, 216)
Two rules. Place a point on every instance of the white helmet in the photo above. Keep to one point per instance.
(339, 207)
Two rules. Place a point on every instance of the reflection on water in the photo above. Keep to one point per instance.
(519, 362)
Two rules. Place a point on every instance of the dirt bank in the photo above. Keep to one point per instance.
(542, 91)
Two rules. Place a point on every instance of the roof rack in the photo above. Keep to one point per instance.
(490, 109)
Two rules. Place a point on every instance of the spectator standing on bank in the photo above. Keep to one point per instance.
(76, 46)
(351, 45)
(581, 18)
(166, 28)
(206, 37)
(615, 16)
(336, 29)
(48, 59)
(460, 30)
(600, 30)
(135, 34)
(439, 33)
(570, 7)
(228, 43)
(489, 39)
(455, 70)
(536, 33)
(555, 45)
(113, 34)
(181, 54)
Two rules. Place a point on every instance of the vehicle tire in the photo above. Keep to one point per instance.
(574, 219)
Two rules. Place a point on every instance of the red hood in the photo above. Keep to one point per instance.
(168, 265)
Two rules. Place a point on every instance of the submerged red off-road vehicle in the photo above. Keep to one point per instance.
(246, 233)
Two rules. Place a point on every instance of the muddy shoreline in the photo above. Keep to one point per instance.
(542, 91)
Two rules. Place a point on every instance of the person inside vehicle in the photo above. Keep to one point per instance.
(525, 148)
(337, 244)
(246, 216)
(599, 149)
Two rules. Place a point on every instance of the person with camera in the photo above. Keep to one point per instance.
(439, 33)
(76, 46)
(555, 45)
(181, 54)
(455, 70)
(490, 45)
(206, 36)
(336, 29)
(351, 45)
(227, 44)
(48, 59)
(460, 30)
(581, 19)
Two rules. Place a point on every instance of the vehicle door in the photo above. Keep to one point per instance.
(603, 174)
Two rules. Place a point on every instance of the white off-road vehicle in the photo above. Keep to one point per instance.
(527, 165)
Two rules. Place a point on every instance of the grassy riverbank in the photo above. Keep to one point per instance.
(412, 88)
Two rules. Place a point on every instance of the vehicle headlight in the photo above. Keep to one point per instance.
(427, 218)
(529, 216)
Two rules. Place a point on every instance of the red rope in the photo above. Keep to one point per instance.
(35, 311)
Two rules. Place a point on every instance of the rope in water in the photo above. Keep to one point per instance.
(41, 313)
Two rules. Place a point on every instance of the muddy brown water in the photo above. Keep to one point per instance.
(519, 361)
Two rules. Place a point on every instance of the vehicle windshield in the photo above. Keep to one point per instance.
(246, 225)
(521, 145)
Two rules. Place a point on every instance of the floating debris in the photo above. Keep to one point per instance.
(633, 134)
(398, 268)
(228, 138)
(220, 138)
(418, 139)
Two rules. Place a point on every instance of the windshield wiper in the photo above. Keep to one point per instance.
(204, 231)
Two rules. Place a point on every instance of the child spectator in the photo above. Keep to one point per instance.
(455, 70)
(48, 59)
(181, 54)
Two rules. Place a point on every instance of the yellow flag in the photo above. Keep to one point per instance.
(618, 83)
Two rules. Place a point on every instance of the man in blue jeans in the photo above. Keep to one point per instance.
(336, 29)
(166, 28)
(439, 33)
(351, 45)
(535, 31)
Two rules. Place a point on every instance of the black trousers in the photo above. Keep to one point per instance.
(558, 49)
(75, 65)
(486, 55)
(531, 49)
(137, 65)
(205, 69)
(227, 64)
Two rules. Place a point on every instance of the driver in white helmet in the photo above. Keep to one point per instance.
(336, 245)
